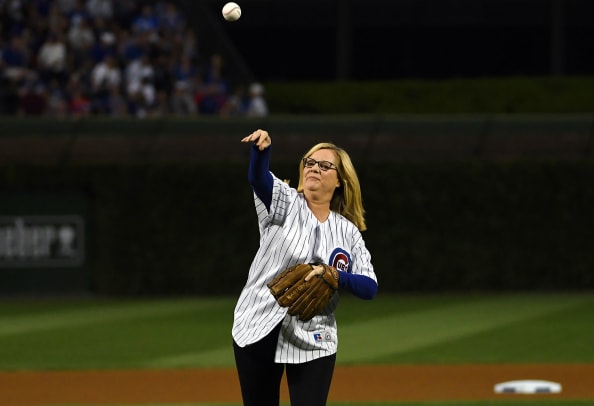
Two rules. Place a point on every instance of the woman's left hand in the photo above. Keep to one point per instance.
(317, 271)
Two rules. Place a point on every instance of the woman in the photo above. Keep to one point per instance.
(319, 222)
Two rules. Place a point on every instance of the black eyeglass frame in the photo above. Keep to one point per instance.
(323, 165)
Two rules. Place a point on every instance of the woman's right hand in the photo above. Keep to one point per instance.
(260, 138)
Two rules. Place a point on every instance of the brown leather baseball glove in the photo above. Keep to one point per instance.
(305, 288)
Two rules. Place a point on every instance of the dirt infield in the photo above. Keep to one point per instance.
(356, 383)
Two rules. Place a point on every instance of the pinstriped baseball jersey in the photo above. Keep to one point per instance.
(291, 234)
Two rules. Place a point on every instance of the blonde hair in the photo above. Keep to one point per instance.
(346, 199)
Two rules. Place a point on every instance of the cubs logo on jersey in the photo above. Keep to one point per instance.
(340, 259)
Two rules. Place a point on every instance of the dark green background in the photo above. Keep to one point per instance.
(191, 228)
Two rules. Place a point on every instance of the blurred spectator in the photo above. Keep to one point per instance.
(57, 103)
(100, 26)
(104, 76)
(105, 46)
(40, 8)
(163, 105)
(100, 8)
(213, 96)
(157, 44)
(150, 103)
(132, 45)
(125, 12)
(33, 99)
(15, 58)
(237, 103)
(38, 16)
(146, 20)
(117, 104)
(215, 88)
(182, 100)
(79, 104)
(14, 16)
(81, 74)
(214, 69)
(189, 44)
(81, 40)
(57, 20)
(257, 105)
(66, 6)
(51, 59)
(184, 69)
(78, 10)
(169, 18)
(136, 72)
(141, 90)
(163, 76)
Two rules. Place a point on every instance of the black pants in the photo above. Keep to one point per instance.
(260, 377)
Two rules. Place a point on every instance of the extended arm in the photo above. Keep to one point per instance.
(259, 174)
(359, 285)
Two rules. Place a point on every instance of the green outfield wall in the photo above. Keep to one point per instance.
(453, 203)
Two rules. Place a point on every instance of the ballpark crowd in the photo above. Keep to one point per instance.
(116, 58)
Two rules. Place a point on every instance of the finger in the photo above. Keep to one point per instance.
(251, 138)
(259, 138)
(317, 270)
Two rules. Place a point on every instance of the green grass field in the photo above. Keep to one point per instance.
(52, 334)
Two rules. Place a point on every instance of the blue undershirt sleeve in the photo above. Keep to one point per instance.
(259, 174)
(359, 285)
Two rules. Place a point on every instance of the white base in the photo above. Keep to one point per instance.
(528, 386)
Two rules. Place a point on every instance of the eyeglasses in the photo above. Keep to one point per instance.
(323, 165)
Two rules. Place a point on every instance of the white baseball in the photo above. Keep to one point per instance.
(231, 11)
